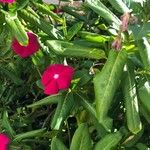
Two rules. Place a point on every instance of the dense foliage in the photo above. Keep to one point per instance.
(107, 104)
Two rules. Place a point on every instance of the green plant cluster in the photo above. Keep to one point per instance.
(108, 103)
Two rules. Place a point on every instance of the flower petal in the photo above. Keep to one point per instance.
(68, 71)
(57, 68)
(26, 51)
(4, 139)
(7, 1)
(63, 83)
(47, 77)
(51, 88)
(65, 77)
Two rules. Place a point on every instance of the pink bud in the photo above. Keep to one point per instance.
(117, 43)
(125, 20)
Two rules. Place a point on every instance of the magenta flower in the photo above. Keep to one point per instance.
(4, 141)
(57, 77)
(26, 51)
(7, 1)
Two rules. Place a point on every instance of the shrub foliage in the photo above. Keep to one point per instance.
(107, 105)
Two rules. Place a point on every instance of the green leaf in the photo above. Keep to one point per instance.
(30, 134)
(144, 94)
(131, 101)
(140, 34)
(94, 37)
(56, 144)
(83, 76)
(11, 75)
(21, 4)
(109, 142)
(119, 5)
(70, 49)
(7, 125)
(45, 9)
(81, 139)
(86, 43)
(74, 30)
(142, 146)
(140, 30)
(86, 104)
(41, 24)
(46, 101)
(145, 113)
(72, 12)
(17, 29)
(63, 111)
(131, 140)
(19, 147)
(144, 50)
(98, 7)
(91, 110)
(106, 83)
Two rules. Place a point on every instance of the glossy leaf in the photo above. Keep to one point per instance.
(119, 5)
(46, 101)
(92, 113)
(56, 144)
(131, 139)
(74, 30)
(106, 83)
(144, 50)
(81, 139)
(72, 12)
(70, 49)
(131, 101)
(140, 30)
(30, 134)
(93, 37)
(83, 76)
(144, 94)
(63, 110)
(21, 4)
(109, 142)
(7, 125)
(17, 29)
(41, 23)
(98, 7)
(145, 113)
(45, 9)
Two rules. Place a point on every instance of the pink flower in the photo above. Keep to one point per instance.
(4, 141)
(7, 1)
(57, 77)
(26, 51)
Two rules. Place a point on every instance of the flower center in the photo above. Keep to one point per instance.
(56, 76)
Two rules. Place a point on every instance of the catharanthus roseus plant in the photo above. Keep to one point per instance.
(100, 98)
